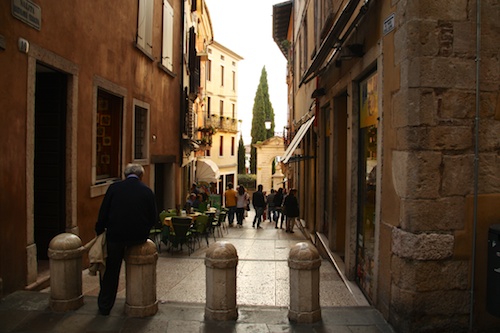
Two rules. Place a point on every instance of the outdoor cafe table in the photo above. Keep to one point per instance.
(168, 219)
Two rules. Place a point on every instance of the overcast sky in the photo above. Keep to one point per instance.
(245, 27)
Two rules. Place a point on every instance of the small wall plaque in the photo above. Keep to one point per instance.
(389, 24)
(28, 12)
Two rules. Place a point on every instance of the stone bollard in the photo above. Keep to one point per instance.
(221, 260)
(65, 257)
(304, 262)
(140, 276)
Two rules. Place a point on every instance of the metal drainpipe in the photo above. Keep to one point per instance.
(181, 83)
(476, 161)
(315, 238)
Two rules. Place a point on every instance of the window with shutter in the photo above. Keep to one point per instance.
(144, 38)
(168, 36)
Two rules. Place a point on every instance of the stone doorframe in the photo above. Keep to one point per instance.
(38, 54)
(266, 152)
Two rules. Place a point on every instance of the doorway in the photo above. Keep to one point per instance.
(327, 194)
(339, 172)
(49, 158)
(229, 178)
(164, 186)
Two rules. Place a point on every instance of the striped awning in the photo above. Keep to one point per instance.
(297, 139)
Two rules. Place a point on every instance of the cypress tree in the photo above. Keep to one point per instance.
(262, 111)
(241, 157)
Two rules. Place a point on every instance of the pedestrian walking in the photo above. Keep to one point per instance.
(264, 213)
(278, 203)
(242, 204)
(127, 213)
(291, 206)
(230, 203)
(259, 204)
(270, 205)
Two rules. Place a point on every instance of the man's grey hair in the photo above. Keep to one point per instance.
(135, 169)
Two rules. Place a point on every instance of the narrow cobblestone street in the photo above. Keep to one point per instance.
(262, 271)
(262, 295)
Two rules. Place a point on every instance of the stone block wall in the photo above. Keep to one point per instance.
(433, 116)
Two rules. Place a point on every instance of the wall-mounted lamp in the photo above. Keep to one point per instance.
(351, 51)
(318, 93)
(355, 51)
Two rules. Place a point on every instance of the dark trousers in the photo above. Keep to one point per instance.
(109, 282)
(230, 214)
(259, 211)
(240, 213)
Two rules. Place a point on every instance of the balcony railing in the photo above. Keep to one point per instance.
(225, 124)
(211, 126)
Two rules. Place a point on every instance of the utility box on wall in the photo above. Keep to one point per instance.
(493, 274)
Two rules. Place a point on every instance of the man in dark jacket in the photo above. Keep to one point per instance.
(291, 206)
(127, 213)
(259, 203)
(270, 206)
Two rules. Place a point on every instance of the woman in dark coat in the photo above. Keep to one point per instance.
(291, 206)
(278, 202)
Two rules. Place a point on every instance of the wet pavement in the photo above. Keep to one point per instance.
(262, 295)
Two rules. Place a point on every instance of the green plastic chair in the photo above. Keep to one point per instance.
(218, 222)
(181, 233)
(203, 207)
(165, 232)
(200, 228)
(156, 232)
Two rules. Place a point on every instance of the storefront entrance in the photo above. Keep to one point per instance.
(335, 157)
(367, 185)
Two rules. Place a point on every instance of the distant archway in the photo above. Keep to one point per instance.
(267, 151)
